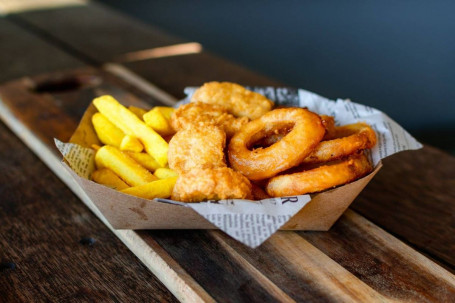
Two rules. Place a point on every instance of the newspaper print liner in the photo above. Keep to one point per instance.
(253, 222)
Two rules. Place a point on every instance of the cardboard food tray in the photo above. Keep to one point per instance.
(129, 212)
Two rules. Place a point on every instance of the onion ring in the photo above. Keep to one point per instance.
(348, 140)
(320, 178)
(327, 121)
(329, 124)
(307, 131)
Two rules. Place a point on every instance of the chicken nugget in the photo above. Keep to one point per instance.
(211, 184)
(236, 99)
(197, 148)
(198, 114)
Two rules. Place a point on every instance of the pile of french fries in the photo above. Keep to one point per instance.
(133, 158)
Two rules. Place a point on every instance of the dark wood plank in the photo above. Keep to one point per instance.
(369, 258)
(52, 248)
(413, 197)
(222, 276)
(231, 269)
(95, 30)
(350, 262)
(24, 54)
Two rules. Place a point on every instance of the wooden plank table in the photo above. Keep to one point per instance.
(412, 198)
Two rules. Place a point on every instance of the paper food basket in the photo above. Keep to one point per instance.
(248, 222)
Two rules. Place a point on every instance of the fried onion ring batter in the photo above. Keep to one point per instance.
(320, 178)
(348, 140)
(327, 121)
(261, 163)
(236, 99)
(329, 125)
(211, 184)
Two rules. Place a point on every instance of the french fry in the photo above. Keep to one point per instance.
(145, 160)
(130, 124)
(156, 189)
(95, 147)
(166, 111)
(139, 112)
(107, 177)
(131, 143)
(107, 132)
(158, 119)
(164, 173)
(123, 166)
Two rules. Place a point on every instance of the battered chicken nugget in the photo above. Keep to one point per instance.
(235, 98)
(211, 184)
(199, 114)
(197, 148)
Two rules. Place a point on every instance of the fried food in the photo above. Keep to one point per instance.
(107, 177)
(130, 143)
(285, 152)
(201, 184)
(130, 124)
(338, 142)
(257, 164)
(164, 173)
(156, 189)
(158, 118)
(348, 140)
(166, 111)
(236, 99)
(329, 124)
(277, 134)
(107, 132)
(139, 112)
(258, 193)
(197, 148)
(123, 166)
(196, 115)
(144, 159)
(320, 178)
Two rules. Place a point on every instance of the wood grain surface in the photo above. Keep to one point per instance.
(354, 261)
(107, 34)
(17, 58)
(412, 197)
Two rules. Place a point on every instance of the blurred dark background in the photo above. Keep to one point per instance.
(397, 56)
